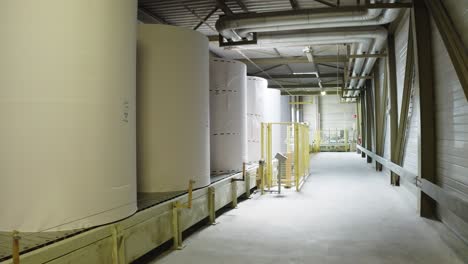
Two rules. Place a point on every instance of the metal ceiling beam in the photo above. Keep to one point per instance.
(388, 5)
(222, 5)
(148, 17)
(206, 18)
(326, 3)
(242, 5)
(367, 56)
(360, 78)
(294, 4)
(196, 15)
(281, 56)
(305, 86)
(331, 66)
(303, 76)
(291, 60)
(453, 43)
(267, 69)
(306, 93)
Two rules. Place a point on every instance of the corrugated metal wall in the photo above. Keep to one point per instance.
(451, 112)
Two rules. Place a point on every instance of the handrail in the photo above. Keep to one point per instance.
(451, 201)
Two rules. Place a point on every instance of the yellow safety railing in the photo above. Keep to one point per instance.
(294, 168)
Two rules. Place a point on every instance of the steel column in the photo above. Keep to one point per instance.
(378, 117)
(363, 121)
(212, 205)
(425, 84)
(392, 94)
(369, 122)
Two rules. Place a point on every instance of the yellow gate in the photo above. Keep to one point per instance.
(289, 165)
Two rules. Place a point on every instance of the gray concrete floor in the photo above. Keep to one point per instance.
(346, 213)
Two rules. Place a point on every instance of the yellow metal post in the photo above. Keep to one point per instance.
(118, 245)
(15, 247)
(234, 194)
(288, 169)
(262, 141)
(212, 205)
(176, 234)
(261, 164)
(269, 157)
(190, 194)
(246, 177)
(296, 155)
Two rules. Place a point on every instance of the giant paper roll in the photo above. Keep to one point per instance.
(67, 105)
(173, 109)
(228, 111)
(256, 88)
(272, 114)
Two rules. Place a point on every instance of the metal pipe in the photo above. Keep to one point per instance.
(240, 26)
(370, 40)
(317, 37)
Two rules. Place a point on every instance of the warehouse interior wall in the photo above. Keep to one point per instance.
(450, 116)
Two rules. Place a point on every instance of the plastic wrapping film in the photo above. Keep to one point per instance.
(256, 89)
(273, 114)
(67, 104)
(172, 109)
(228, 110)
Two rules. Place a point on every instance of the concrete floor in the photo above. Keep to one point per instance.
(346, 213)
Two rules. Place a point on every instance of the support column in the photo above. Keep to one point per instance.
(362, 109)
(358, 121)
(234, 194)
(212, 205)
(392, 94)
(369, 120)
(379, 124)
(118, 245)
(424, 82)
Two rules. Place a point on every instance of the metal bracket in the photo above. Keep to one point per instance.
(15, 252)
(418, 182)
(177, 232)
(234, 194)
(118, 245)
(212, 205)
(245, 179)
(229, 43)
(247, 185)
(261, 164)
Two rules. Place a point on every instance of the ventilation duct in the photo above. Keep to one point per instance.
(369, 40)
(240, 26)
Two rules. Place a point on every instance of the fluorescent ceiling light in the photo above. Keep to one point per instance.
(297, 73)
